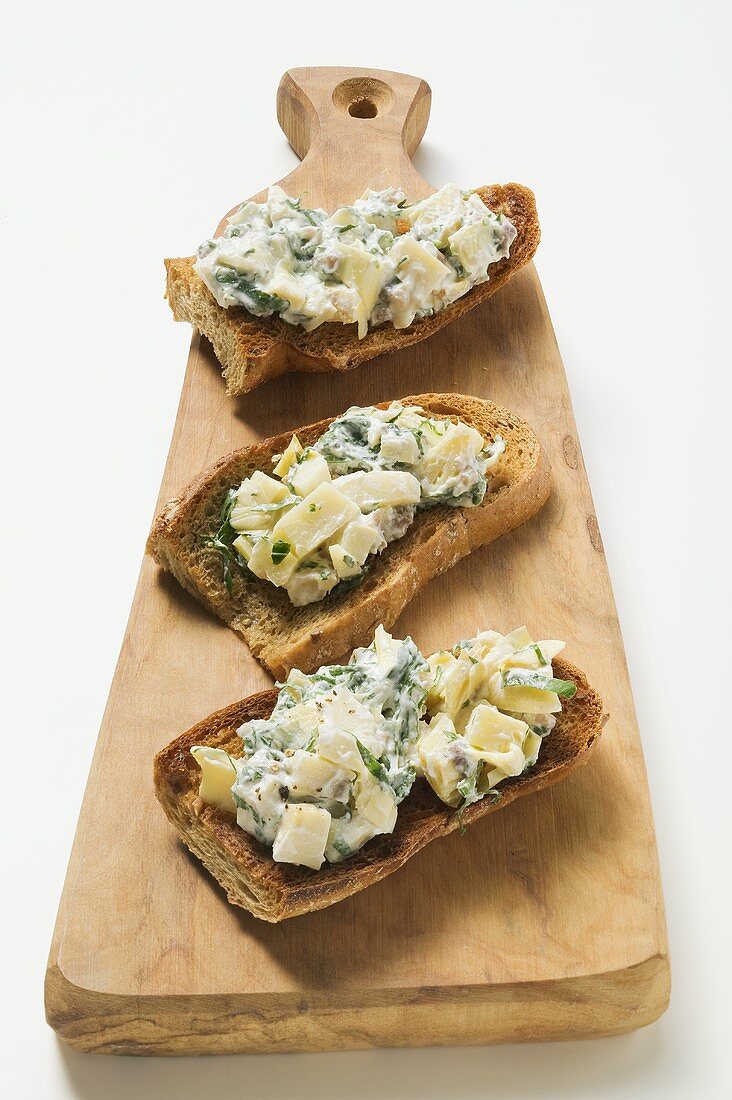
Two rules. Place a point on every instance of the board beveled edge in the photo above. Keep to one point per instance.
(585, 1007)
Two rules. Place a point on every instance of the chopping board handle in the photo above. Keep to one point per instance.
(353, 128)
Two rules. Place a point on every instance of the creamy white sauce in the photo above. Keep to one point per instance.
(341, 739)
(379, 260)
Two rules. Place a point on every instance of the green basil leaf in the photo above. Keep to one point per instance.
(280, 550)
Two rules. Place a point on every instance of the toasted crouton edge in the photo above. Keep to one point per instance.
(276, 891)
(253, 349)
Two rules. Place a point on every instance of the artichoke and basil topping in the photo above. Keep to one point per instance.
(379, 260)
(343, 747)
(312, 525)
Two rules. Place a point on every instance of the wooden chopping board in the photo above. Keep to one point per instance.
(544, 921)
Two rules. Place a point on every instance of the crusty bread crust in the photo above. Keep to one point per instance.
(283, 637)
(252, 349)
(275, 891)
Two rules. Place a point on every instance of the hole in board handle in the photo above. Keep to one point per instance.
(363, 97)
(363, 108)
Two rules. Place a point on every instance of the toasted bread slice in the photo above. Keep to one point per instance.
(282, 636)
(275, 891)
(252, 349)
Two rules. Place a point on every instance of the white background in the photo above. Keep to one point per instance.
(126, 130)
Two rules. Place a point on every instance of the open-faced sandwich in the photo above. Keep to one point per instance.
(289, 288)
(299, 797)
(305, 542)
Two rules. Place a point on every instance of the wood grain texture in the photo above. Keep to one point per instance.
(545, 921)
